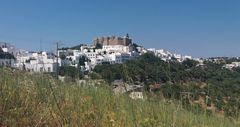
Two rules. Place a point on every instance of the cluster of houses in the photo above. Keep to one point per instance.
(228, 62)
(36, 62)
(105, 50)
(166, 55)
(25, 60)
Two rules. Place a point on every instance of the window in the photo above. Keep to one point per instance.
(49, 69)
(41, 69)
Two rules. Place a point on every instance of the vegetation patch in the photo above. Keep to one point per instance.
(39, 100)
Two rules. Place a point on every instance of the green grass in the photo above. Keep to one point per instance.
(38, 100)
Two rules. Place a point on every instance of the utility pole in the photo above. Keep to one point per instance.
(57, 73)
(41, 45)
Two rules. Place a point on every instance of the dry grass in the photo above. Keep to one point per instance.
(39, 100)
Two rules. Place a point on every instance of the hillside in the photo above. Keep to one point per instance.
(206, 85)
(39, 100)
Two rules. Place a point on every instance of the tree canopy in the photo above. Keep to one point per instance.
(220, 84)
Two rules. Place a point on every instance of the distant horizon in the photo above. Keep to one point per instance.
(201, 29)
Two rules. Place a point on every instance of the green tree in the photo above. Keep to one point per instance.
(98, 46)
(189, 63)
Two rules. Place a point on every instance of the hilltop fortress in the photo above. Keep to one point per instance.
(113, 40)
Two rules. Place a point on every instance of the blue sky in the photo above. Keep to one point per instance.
(201, 28)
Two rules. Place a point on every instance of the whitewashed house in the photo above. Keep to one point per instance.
(37, 62)
(41, 66)
(232, 65)
(116, 48)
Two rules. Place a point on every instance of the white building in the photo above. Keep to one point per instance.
(108, 54)
(113, 58)
(232, 65)
(229, 66)
(116, 48)
(166, 55)
(40, 66)
(37, 62)
(141, 50)
(236, 64)
(187, 57)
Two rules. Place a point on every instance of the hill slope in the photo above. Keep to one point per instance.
(39, 100)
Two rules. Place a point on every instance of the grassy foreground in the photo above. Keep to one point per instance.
(38, 100)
